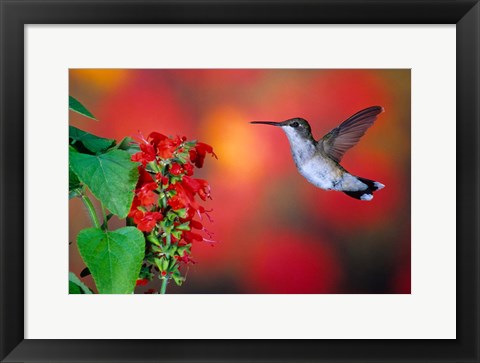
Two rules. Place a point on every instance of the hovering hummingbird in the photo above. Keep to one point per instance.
(318, 161)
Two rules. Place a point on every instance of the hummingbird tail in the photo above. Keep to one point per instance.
(366, 194)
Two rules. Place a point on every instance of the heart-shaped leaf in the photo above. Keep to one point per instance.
(111, 177)
(91, 142)
(113, 257)
(75, 286)
(75, 105)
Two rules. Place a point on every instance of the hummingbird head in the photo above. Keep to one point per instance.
(295, 127)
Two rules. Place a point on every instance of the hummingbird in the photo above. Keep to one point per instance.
(319, 161)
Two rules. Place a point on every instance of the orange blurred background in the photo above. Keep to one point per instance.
(276, 232)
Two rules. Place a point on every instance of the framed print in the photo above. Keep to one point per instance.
(232, 159)
(280, 181)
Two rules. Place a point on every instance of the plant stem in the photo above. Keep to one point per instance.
(163, 289)
(105, 220)
(91, 210)
(165, 279)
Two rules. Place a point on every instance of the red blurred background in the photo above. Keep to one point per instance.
(276, 232)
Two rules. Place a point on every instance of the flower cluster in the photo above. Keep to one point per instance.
(166, 207)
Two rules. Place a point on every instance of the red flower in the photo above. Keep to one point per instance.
(146, 155)
(144, 190)
(155, 137)
(183, 198)
(196, 224)
(197, 186)
(188, 169)
(133, 209)
(189, 236)
(185, 258)
(146, 221)
(146, 195)
(176, 169)
(142, 282)
(197, 154)
(190, 214)
(147, 210)
(144, 177)
(166, 147)
(178, 201)
(185, 194)
(165, 181)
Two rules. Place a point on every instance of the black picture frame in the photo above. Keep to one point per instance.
(15, 14)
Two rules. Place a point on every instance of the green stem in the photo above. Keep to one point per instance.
(105, 220)
(163, 289)
(165, 279)
(91, 210)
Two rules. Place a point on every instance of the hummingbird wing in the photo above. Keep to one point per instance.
(348, 133)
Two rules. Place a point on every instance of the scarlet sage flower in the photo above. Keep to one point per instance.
(197, 155)
(144, 177)
(176, 169)
(176, 203)
(146, 221)
(166, 147)
(145, 194)
(188, 169)
(183, 197)
(155, 137)
(165, 203)
(197, 186)
(191, 236)
(146, 155)
(196, 224)
(185, 258)
(142, 282)
(134, 208)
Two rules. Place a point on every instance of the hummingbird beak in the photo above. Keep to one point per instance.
(267, 123)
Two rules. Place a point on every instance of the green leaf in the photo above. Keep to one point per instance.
(172, 264)
(146, 273)
(182, 213)
(113, 257)
(177, 277)
(153, 239)
(128, 145)
(93, 143)
(111, 177)
(162, 263)
(75, 105)
(73, 182)
(75, 286)
(177, 234)
(171, 215)
(184, 226)
(74, 185)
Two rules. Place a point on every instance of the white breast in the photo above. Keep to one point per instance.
(319, 173)
(316, 169)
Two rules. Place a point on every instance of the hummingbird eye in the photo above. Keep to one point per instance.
(295, 124)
